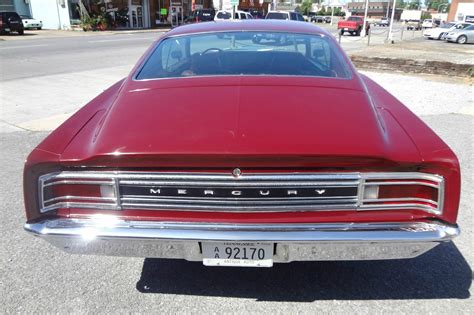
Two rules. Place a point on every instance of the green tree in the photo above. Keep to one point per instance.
(415, 5)
(435, 4)
(306, 7)
(400, 4)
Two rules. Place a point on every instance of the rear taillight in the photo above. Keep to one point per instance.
(402, 191)
(61, 191)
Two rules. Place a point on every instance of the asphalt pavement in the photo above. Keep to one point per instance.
(48, 56)
(41, 85)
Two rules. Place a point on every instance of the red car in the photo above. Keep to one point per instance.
(234, 151)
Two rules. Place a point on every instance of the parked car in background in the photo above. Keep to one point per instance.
(201, 15)
(353, 25)
(412, 24)
(461, 36)
(439, 32)
(383, 22)
(29, 23)
(11, 22)
(284, 15)
(317, 18)
(256, 14)
(223, 15)
(343, 172)
(327, 19)
(428, 23)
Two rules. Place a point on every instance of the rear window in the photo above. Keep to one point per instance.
(277, 16)
(354, 18)
(245, 53)
(223, 15)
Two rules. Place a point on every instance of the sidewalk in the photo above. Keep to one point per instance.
(42, 34)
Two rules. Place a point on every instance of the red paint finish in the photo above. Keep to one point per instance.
(277, 217)
(353, 23)
(260, 124)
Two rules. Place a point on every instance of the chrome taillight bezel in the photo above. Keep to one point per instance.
(400, 178)
(361, 180)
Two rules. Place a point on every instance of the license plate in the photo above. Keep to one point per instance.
(346, 29)
(7, 30)
(237, 254)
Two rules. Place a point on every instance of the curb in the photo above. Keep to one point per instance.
(46, 34)
(413, 66)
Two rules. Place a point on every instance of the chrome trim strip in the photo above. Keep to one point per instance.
(79, 182)
(238, 203)
(111, 236)
(234, 199)
(201, 176)
(82, 205)
(239, 208)
(400, 199)
(118, 200)
(272, 184)
(80, 198)
(404, 206)
(271, 180)
(402, 183)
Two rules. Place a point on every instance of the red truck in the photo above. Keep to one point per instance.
(353, 25)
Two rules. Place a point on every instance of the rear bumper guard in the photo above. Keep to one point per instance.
(294, 242)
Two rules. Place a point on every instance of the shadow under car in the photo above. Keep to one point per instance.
(440, 273)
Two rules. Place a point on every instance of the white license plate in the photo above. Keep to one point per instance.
(237, 254)
(346, 29)
(7, 30)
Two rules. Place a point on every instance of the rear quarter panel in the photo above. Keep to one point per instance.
(436, 155)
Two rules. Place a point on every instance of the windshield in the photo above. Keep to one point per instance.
(447, 25)
(277, 16)
(245, 53)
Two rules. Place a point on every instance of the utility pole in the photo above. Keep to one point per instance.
(390, 31)
(364, 26)
(332, 12)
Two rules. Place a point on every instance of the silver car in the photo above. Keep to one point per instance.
(463, 36)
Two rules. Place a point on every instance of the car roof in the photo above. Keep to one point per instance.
(247, 25)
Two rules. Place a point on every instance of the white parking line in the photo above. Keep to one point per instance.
(119, 40)
(25, 46)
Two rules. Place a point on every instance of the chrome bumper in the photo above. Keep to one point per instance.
(294, 242)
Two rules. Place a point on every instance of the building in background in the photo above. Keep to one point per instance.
(461, 10)
(53, 13)
(19, 6)
(375, 11)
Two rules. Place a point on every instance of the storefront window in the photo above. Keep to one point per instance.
(112, 13)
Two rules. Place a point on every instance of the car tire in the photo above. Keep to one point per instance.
(21, 32)
(39, 28)
(439, 37)
(341, 32)
(461, 39)
(357, 33)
